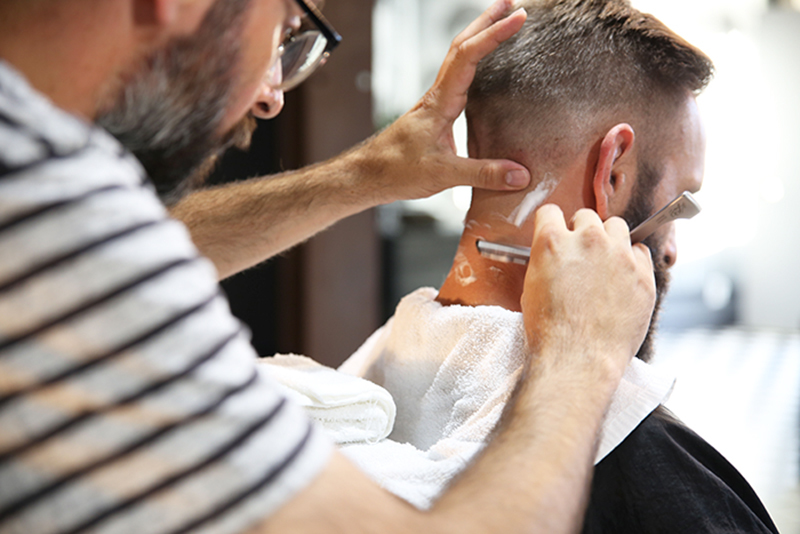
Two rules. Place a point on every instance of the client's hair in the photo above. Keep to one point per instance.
(576, 62)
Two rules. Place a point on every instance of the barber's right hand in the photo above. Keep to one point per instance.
(589, 294)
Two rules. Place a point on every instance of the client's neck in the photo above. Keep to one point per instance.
(477, 281)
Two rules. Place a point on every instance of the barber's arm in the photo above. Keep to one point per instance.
(587, 303)
(240, 225)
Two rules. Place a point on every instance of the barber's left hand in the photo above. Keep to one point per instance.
(416, 156)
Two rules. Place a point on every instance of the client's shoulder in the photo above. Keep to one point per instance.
(666, 478)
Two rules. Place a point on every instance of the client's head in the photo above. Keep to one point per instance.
(598, 101)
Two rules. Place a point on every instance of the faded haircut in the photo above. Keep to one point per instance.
(576, 63)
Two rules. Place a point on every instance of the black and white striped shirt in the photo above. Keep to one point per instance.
(129, 396)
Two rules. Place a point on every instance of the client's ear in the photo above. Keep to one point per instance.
(615, 170)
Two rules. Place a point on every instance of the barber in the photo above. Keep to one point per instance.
(128, 399)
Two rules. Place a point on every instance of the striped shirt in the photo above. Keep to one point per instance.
(129, 396)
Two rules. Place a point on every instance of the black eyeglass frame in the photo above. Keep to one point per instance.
(331, 36)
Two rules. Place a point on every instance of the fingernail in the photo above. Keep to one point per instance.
(518, 178)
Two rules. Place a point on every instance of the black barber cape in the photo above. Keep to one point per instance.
(664, 478)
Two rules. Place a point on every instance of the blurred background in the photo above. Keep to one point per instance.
(730, 327)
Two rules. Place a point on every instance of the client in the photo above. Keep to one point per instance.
(598, 101)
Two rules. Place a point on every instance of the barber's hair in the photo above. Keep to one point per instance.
(575, 61)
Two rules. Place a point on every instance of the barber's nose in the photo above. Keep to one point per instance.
(269, 103)
(670, 249)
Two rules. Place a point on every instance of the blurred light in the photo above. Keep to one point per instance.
(772, 190)
(460, 135)
(364, 81)
(796, 4)
(462, 197)
(717, 291)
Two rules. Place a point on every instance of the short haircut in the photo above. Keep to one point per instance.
(576, 62)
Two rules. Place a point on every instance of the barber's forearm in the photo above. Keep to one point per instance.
(538, 468)
(242, 224)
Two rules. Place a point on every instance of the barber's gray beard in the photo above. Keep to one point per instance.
(240, 137)
(170, 112)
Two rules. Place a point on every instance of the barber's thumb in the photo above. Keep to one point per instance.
(497, 175)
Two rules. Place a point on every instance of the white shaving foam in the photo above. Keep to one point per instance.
(472, 224)
(533, 200)
(464, 273)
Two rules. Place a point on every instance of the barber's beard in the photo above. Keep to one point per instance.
(169, 112)
(640, 208)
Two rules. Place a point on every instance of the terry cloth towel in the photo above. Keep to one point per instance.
(451, 370)
(350, 409)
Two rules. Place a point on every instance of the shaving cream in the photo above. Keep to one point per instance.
(463, 271)
(533, 200)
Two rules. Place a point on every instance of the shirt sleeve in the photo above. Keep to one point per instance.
(129, 397)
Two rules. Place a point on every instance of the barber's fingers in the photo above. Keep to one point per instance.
(448, 96)
(496, 175)
(550, 219)
(496, 12)
(584, 218)
(617, 228)
(619, 231)
(548, 223)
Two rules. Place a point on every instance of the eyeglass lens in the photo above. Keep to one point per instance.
(300, 57)
(306, 50)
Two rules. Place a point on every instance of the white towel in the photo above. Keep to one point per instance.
(451, 370)
(350, 409)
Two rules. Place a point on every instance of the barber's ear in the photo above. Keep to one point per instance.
(615, 167)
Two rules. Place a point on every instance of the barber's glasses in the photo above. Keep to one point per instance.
(306, 48)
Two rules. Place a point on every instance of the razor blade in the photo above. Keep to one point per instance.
(683, 207)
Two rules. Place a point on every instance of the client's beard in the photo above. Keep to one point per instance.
(640, 207)
(169, 112)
